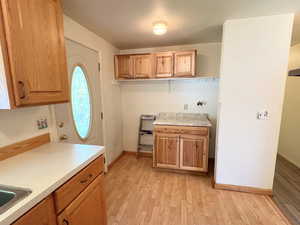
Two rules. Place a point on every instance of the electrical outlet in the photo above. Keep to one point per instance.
(186, 107)
(263, 115)
(42, 124)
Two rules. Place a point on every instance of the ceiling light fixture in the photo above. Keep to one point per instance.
(159, 28)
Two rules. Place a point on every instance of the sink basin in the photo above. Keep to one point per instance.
(9, 196)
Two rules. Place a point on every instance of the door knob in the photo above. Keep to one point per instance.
(63, 137)
(60, 124)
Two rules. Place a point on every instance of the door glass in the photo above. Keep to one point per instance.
(81, 102)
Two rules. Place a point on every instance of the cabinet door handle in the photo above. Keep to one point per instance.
(22, 94)
(86, 180)
(66, 222)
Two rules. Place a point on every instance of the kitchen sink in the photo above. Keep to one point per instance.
(9, 196)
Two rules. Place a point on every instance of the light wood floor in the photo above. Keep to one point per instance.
(140, 195)
(287, 189)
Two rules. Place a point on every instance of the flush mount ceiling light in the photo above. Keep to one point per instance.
(159, 28)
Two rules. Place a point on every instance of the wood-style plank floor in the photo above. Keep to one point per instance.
(287, 189)
(139, 195)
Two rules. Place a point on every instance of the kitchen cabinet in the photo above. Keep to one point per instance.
(34, 69)
(184, 64)
(171, 64)
(142, 66)
(181, 148)
(168, 154)
(79, 201)
(193, 154)
(163, 64)
(123, 67)
(43, 213)
(87, 208)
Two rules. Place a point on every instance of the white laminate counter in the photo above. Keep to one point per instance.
(43, 170)
(183, 119)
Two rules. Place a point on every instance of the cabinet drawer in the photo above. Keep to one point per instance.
(72, 188)
(203, 131)
(167, 129)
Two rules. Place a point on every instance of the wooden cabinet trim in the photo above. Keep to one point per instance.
(72, 188)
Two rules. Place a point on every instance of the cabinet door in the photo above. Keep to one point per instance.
(123, 67)
(185, 63)
(142, 66)
(194, 153)
(88, 208)
(36, 51)
(43, 213)
(163, 64)
(167, 150)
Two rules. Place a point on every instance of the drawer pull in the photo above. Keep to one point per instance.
(21, 87)
(87, 179)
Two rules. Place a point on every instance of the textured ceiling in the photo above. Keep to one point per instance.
(128, 23)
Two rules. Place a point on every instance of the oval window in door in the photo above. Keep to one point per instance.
(81, 102)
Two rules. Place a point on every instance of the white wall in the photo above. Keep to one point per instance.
(289, 140)
(253, 74)
(20, 124)
(152, 97)
(110, 92)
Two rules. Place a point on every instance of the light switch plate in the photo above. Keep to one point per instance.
(263, 115)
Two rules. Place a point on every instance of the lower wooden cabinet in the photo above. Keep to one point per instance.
(42, 214)
(193, 154)
(88, 208)
(168, 145)
(183, 148)
(80, 201)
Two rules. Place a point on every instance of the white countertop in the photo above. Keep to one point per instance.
(43, 170)
(183, 119)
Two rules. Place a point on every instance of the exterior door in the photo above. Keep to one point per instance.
(167, 150)
(193, 153)
(80, 121)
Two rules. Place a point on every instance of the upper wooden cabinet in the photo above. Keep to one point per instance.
(33, 50)
(163, 64)
(156, 65)
(184, 64)
(142, 66)
(123, 67)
